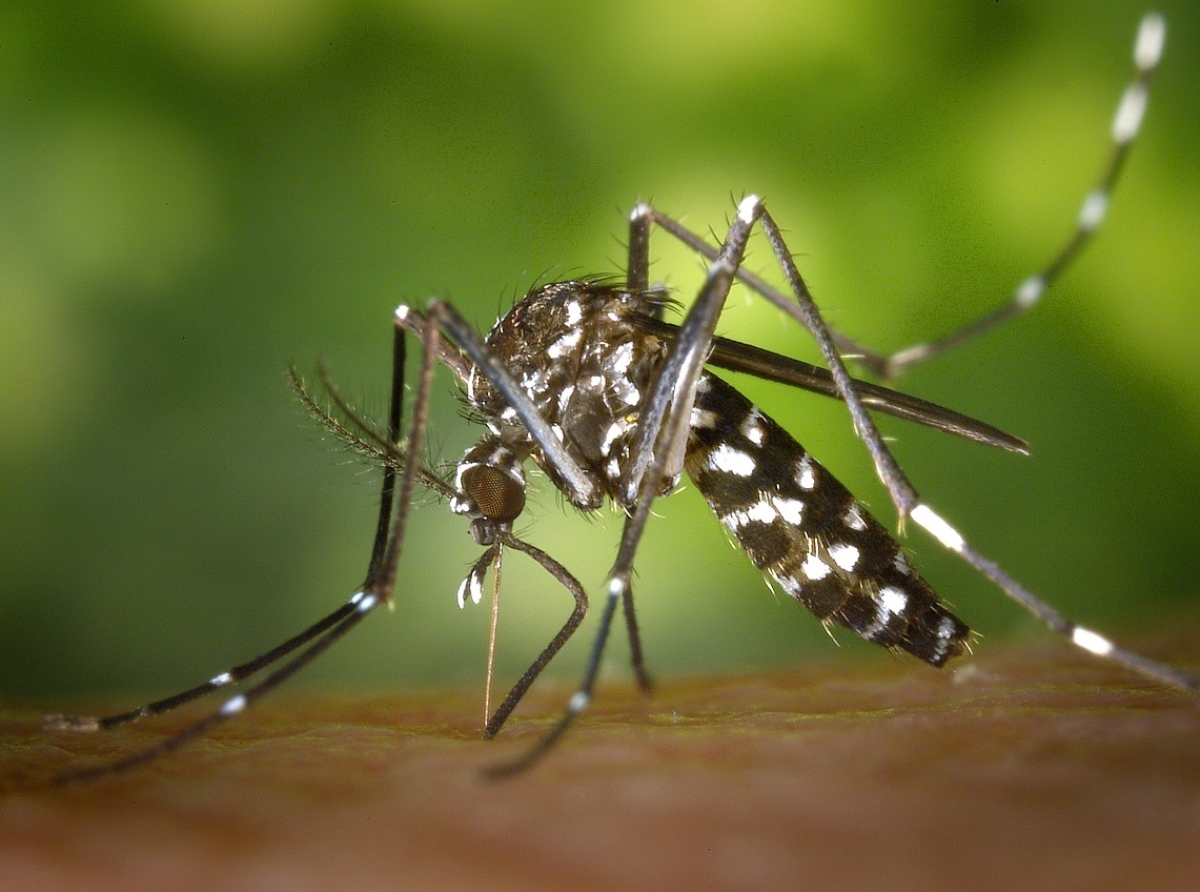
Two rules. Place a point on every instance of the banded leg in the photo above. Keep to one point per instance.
(571, 584)
(1127, 121)
(377, 588)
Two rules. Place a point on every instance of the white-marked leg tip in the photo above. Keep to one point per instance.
(931, 522)
(1130, 112)
(1152, 34)
(234, 705)
(1093, 210)
(1030, 291)
(748, 207)
(1091, 642)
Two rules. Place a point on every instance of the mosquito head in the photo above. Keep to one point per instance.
(491, 488)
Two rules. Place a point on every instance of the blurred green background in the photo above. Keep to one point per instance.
(195, 193)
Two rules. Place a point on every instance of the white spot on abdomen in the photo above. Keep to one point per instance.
(731, 461)
(845, 556)
(814, 568)
(806, 478)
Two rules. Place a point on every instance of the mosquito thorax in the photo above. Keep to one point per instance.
(576, 351)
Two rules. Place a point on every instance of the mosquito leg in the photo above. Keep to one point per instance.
(571, 584)
(1147, 52)
(361, 604)
(579, 701)
(1125, 126)
(245, 670)
(1082, 637)
(230, 677)
(376, 588)
(637, 270)
(636, 656)
(674, 389)
(637, 280)
(804, 310)
(414, 321)
(387, 493)
(382, 576)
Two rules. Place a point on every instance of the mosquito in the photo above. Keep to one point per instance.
(585, 379)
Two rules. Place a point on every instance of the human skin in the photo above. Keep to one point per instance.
(1030, 769)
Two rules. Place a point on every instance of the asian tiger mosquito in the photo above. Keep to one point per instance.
(586, 379)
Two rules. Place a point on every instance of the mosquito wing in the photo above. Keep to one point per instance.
(739, 357)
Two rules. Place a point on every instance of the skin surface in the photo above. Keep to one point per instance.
(1017, 769)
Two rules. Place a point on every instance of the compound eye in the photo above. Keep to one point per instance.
(499, 496)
